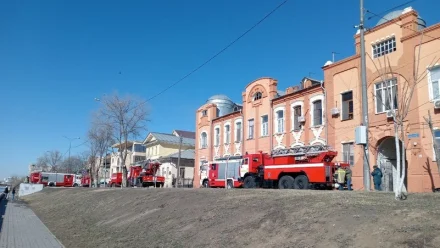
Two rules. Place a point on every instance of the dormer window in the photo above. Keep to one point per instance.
(384, 47)
(258, 96)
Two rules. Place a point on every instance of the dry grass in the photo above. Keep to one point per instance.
(237, 218)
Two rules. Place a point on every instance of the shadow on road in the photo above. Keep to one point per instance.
(3, 205)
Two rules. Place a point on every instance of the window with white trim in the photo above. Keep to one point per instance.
(217, 136)
(347, 105)
(384, 47)
(205, 113)
(348, 153)
(434, 83)
(251, 129)
(238, 131)
(227, 134)
(296, 114)
(386, 95)
(258, 96)
(264, 125)
(204, 140)
(436, 140)
(280, 121)
(317, 113)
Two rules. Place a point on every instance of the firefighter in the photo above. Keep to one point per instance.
(341, 177)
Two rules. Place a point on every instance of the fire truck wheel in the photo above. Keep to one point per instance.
(249, 182)
(286, 182)
(301, 182)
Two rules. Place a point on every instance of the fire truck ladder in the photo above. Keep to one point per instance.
(302, 151)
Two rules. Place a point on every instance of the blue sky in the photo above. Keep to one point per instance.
(57, 56)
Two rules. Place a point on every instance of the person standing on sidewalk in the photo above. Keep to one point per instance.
(6, 192)
(13, 193)
(377, 178)
(348, 173)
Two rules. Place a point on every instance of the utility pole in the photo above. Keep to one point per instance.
(178, 162)
(364, 99)
(70, 147)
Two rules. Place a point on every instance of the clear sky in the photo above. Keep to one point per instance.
(57, 56)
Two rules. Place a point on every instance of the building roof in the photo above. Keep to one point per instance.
(396, 13)
(185, 134)
(186, 154)
(166, 138)
(218, 98)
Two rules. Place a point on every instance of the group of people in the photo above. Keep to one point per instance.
(343, 176)
(6, 192)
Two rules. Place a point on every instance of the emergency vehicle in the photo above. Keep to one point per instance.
(53, 179)
(225, 172)
(142, 174)
(303, 167)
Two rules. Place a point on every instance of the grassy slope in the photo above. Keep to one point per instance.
(237, 218)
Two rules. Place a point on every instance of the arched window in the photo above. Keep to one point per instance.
(258, 96)
(204, 140)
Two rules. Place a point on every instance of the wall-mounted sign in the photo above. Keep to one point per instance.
(413, 135)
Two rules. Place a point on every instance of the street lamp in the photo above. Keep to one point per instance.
(70, 144)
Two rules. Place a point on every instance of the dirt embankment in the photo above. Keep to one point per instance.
(237, 218)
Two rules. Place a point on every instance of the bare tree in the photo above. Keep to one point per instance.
(126, 117)
(398, 102)
(49, 161)
(74, 164)
(436, 148)
(101, 137)
(41, 164)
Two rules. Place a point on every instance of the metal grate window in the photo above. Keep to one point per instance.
(384, 47)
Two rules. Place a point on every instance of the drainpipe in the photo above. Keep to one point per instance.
(242, 132)
(270, 126)
(326, 122)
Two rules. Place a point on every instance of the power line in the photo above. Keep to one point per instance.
(217, 54)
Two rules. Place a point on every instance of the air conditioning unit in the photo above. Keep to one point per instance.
(390, 113)
(437, 104)
(335, 111)
(301, 118)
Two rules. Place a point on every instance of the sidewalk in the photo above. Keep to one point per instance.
(21, 228)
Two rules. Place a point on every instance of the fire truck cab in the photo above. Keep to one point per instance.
(303, 167)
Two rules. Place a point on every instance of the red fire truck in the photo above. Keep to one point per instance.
(225, 172)
(142, 174)
(53, 179)
(292, 168)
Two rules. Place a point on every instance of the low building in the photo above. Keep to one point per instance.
(135, 153)
(165, 148)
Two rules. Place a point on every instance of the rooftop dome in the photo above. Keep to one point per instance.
(396, 13)
(218, 98)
